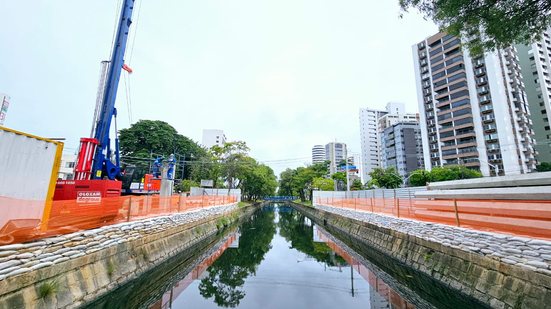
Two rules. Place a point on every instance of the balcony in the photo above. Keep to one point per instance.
(489, 127)
(481, 81)
(484, 99)
(491, 137)
(483, 90)
(478, 63)
(479, 72)
(488, 118)
(486, 108)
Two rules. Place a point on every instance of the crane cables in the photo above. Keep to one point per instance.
(127, 79)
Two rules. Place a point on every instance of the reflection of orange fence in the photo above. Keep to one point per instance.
(72, 215)
(169, 296)
(529, 218)
(375, 282)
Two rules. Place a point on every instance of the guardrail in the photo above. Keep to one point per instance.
(522, 217)
(71, 216)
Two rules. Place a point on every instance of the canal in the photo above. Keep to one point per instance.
(277, 259)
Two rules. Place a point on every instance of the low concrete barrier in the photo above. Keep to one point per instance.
(513, 193)
(524, 180)
(493, 280)
(71, 270)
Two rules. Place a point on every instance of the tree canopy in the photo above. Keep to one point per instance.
(544, 167)
(300, 181)
(147, 138)
(228, 165)
(487, 24)
(385, 178)
(444, 173)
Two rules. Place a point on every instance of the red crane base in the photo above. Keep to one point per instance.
(87, 191)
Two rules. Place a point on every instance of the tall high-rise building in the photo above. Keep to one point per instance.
(369, 140)
(372, 124)
(535, 63)
(212, 137)
(318, 154)
(335, 152)
(4, 104)
(402, 147)
(473, 111)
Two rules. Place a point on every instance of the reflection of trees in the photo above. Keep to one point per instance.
(300, 235)
(230, 270)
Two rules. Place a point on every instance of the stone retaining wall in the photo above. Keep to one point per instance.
(71, 270)
(470, 271)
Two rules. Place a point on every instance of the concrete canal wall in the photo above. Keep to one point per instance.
(499, 271)
(71, 270)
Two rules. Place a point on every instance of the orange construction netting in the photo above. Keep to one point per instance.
(22, 220)
(520, 217)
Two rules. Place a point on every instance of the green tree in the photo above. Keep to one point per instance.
(385, 178)
(340, 179)
(158, 137)
(233, 157)
(185, 185)
(286, 183)
(323, 184)
(444, 173)
(544, 167)
(453, 172)
(419, 178)
(356, 185)
(300, 180)
(487, 24)
(257, 180)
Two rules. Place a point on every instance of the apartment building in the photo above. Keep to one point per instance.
(535, 63)
(402, 147)
(4, 104)
(335, 152)
(372, 124)
(473, 111)
(212, 137)
(318, 154)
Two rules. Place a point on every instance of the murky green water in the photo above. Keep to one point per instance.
(277, 259)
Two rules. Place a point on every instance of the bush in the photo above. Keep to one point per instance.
(444, 173)
(419, 178)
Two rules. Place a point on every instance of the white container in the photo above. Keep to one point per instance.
(28, 172)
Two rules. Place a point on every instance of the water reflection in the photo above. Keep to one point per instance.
(280, 259)
(299, 231)
(227, 274)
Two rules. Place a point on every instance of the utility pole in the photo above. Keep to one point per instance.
(346, 168)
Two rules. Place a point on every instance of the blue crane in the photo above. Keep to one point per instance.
(95, 173)
(94, 160)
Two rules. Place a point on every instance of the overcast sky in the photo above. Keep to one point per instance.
(281, 75)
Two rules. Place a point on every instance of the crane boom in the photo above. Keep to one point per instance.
(102, 165)
(95, 174)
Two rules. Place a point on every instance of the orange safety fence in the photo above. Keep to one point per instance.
(23, 220)
(521, 217)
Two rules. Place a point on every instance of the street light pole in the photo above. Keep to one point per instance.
(346, 168)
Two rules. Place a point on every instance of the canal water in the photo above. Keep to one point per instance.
(277, 259)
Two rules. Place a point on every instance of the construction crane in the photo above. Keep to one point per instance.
(96, 175)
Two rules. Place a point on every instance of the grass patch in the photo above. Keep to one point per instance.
(48, 289)
(305, 203)
(243, 204)
(428, 256)
(111, 268)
